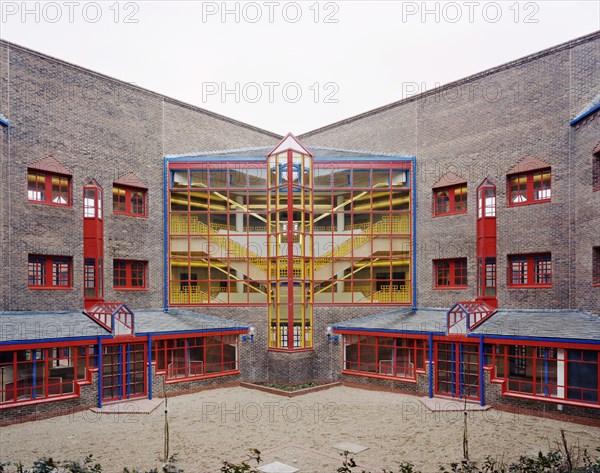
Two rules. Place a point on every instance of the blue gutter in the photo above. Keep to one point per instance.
(387, 330)
(52, 340)
(535, 339)
(481, 380)
(430, 365)
(185, 332)
(3, 121)
(165, 236)
(150, 367)
(100, 370)
(585, 114)
(263, 159)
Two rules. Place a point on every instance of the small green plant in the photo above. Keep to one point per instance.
(244, 467)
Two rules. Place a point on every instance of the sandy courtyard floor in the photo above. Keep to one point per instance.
(215, 425)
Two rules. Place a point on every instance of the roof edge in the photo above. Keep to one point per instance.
(166, 98)
(478, 75)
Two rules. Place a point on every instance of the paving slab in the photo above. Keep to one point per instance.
(277, 467)
(350, 447)
(129, 406)
(438, 404)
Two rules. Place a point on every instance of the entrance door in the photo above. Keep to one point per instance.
(123, 371)
(457, 370)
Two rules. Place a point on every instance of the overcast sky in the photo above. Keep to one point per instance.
(293, 66)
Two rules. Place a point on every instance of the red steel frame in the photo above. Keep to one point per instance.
(486, 244)
(44, 180)
(164, 339)
(394, 192)
(454, 265)
(461, 361)
(123, 270)
(492, 364)
(596, 266)
(48, 265)
(453, 191)
(117, 374)
(523, 184)
(126, 192)
(227, 259)
(419, 352)
(93, 244)
(530, 266)
(76, 358)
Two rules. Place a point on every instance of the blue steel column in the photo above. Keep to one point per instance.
(481, 379)
(128, 370)
(34, 388)
(150, 367)
(430, 365)
(100, 380)
(165, 237)
(413, 194)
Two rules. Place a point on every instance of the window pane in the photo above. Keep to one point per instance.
(119, 202)
(60, 272)
(36, 187)
(37, 271)
(60, 190)
(137, 203)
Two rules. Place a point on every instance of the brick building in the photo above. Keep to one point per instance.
(446, 244)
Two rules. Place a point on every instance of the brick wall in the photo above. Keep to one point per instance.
(481, 127)
(88, 397)
(98, 128)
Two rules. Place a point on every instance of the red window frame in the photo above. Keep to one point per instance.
(596, 172)
(533, 270)
(48, 188)
(596, 266)
(131, 201)
(532, 372)
(529, 187)
(49, 272)
(450, 200)
(130, 275)
(182, 359)
(41, 374)
(453, 271)
(369, 355)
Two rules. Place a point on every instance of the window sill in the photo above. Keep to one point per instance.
(530, 286)
(121, 214)
(447, 214)
(379, 376)
(49, 204)
(551, 399)
(198, 378)
(450, 288)
(287, 350)
(50, 288)
(524, 204)
(140, 289)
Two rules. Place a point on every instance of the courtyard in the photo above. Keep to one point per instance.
(222, 424)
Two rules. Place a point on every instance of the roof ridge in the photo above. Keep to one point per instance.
(164, 97)
(486, 72)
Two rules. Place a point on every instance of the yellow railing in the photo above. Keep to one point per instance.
(398, 224)
(179, 225)
(390, 293)
(186, 295)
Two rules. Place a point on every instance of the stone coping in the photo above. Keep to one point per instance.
(282, 392)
